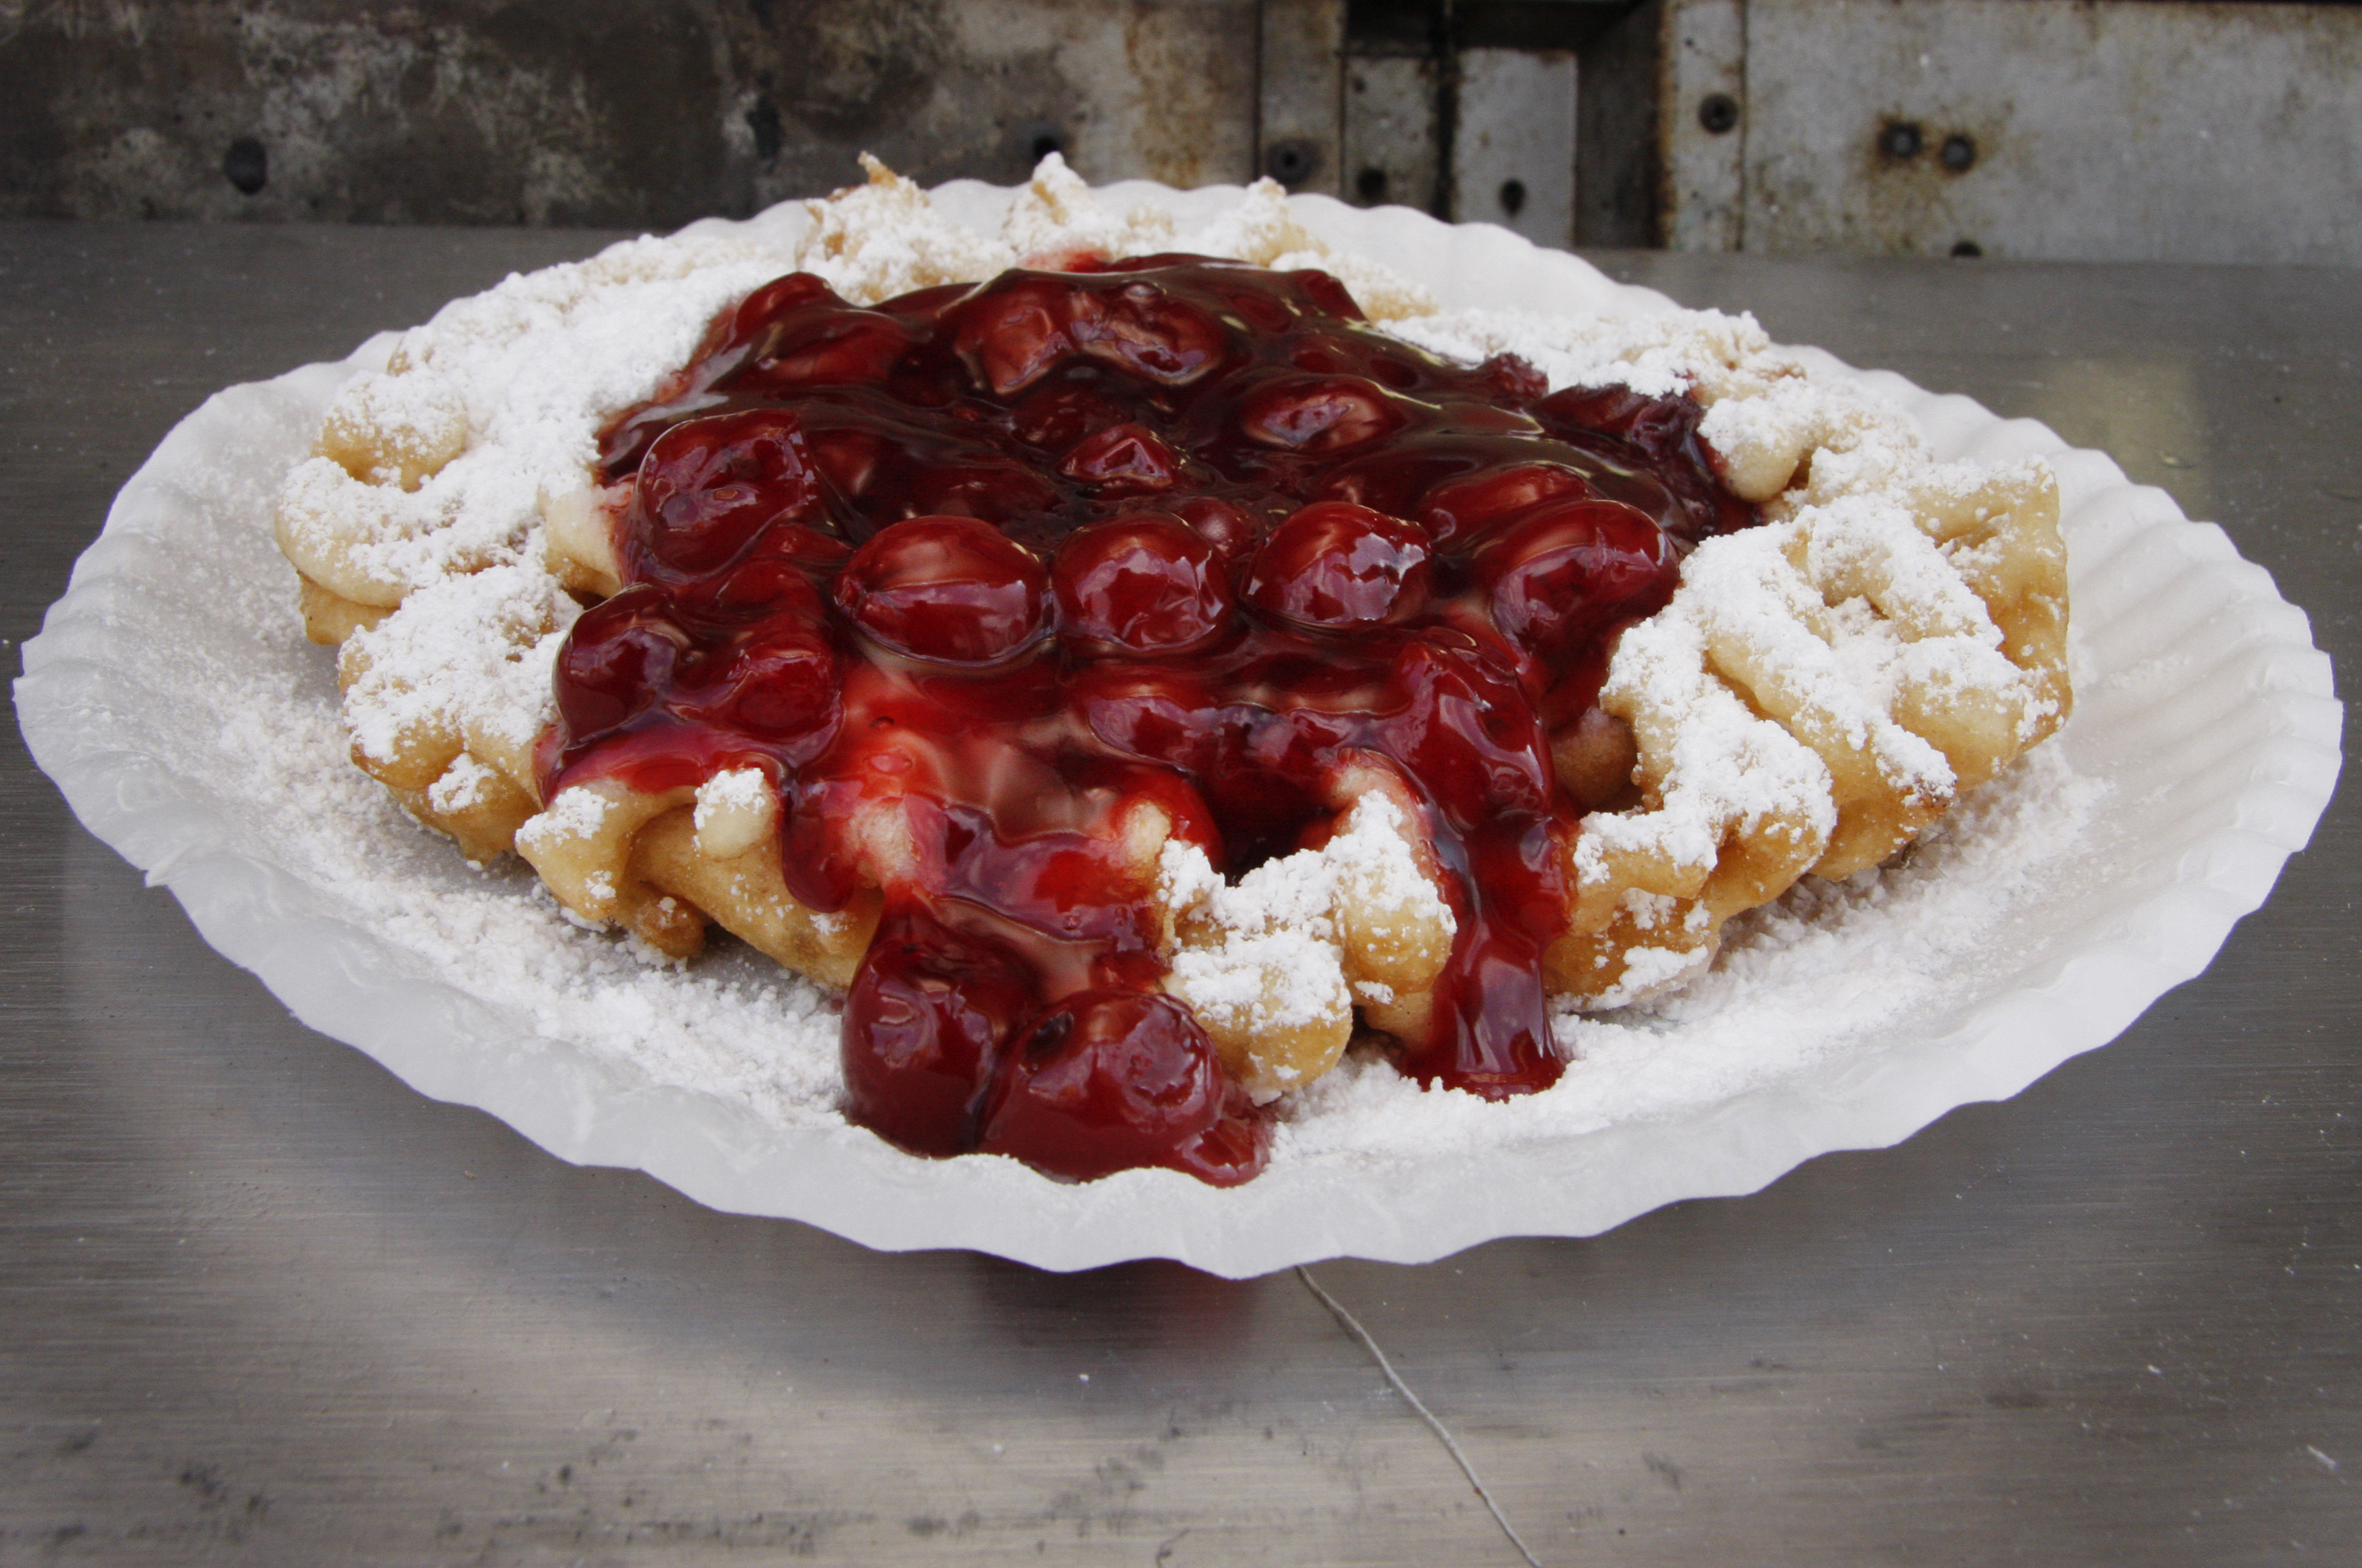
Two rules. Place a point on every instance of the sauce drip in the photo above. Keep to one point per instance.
(997, 564)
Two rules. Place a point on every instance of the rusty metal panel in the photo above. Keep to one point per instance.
(2116, 130)
(1300, 71)
(619, 112)
(1702, 120)
(1513, 145)
(1618, 180)
(1391, 130)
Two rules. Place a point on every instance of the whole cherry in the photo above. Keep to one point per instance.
(777, 681)
(707, 486)
(1323, 416)
(1122, 459)
(1110, 1079)
(1145, 584)
(617, 661)
(925, 1022)
(1461, 510)
(1337, 566)
(951, 589)
(1145, 332)
(1566, 568)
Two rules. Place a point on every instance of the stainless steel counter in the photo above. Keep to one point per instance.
(260, 1303)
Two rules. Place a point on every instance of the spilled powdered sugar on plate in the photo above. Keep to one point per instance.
(1796, 980)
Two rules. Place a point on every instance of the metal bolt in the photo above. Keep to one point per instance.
(1901, 139)
(1958, 154)
(1291, 162)
(1718, 112)
(763, 120)
(247, 165)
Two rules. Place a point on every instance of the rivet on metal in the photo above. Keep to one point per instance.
(1291, 162)
(247, 165)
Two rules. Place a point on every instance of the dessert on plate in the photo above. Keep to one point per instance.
(1135, 666)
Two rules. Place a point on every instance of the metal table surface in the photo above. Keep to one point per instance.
(260, 1303)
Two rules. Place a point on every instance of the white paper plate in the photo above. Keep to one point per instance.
(2205, 713)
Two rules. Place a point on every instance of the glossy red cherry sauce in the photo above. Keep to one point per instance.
(985, 564)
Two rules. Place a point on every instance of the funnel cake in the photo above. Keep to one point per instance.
(1133, 666)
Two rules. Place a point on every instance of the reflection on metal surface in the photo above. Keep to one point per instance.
(1351, 1325)
(2145, 411)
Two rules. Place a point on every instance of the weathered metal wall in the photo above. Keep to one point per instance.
(2107, 129)
(605, 112)
(2090, 131)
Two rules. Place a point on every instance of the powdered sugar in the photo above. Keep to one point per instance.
(1266, 952)
(476, 650)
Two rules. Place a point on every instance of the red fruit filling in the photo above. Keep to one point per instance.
(1108, 1079)
(944, 588)
(1005, 560)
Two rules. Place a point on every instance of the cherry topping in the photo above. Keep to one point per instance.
(808, 547)
(1462, 509)
(851, 458)
(1139, 327)
(771, 584)
(1323, 414)
(996, 489)
(1662, 431)
(1284, 545)
(944, 588)
(1122, 459)
(1339, 566)
(1155, 713)
(616, 662)
(779, 683)
(1107, 1080)
(1569, 568)
(1224, 526)
(817, 346)
(1327, 294)
(1146, 584)
(1055, 417)
(1511, 379)
(706, 485)
(1011, 335)
(1392, 479)
(774, 299)
(924, 1026)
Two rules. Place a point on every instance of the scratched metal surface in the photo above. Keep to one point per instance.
(261, 1304)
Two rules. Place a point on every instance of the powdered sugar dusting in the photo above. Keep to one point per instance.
(1826, 965)
(1797, 982)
